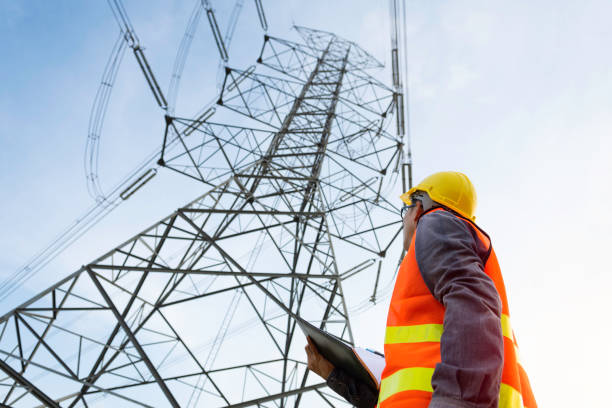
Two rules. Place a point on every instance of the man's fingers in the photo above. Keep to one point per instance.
(312, 355)
(311, 358)
(312, 345)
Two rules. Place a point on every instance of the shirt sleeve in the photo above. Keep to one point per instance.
(451, 260)
(355, 392)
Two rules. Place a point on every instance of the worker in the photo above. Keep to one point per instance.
(448, 341)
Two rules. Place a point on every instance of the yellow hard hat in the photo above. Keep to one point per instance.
(449, 188)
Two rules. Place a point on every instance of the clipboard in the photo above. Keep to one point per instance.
(341, 354)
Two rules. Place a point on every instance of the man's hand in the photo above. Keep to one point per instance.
(316, 362)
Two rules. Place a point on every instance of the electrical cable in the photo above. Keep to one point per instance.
(104, 203)
(96, 118)
(74, 231)
(229, 34)
(181, 56)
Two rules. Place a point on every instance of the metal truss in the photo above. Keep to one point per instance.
(198, 310)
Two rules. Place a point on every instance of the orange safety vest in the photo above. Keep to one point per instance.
(412, 340)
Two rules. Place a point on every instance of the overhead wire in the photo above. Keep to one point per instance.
(104, 203)
(181, 55)
(74, 231)
(403, 47)
(404, 52)
(229, 34)
(96, 118)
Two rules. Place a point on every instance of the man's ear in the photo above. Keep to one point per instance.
(419, 211)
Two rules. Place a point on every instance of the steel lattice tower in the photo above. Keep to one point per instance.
(295, 164)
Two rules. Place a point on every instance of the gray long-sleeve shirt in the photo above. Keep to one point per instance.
(451, 259)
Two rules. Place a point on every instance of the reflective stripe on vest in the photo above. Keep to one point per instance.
(420, 333)
(413, 378)
(506, 327)
(413, 334)
(419, 379)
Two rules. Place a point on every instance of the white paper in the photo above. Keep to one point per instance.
(374, 363)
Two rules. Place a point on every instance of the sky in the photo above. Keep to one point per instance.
(515, 94)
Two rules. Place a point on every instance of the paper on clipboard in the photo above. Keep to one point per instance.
(374, 363)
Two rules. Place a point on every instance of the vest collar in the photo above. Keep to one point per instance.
(442, 208)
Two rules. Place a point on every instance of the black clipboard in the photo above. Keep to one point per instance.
(339, 353)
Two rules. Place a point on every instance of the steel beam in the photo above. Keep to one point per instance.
(134, 341)
(41, 396)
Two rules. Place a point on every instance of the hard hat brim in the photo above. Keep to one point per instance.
(406, 196)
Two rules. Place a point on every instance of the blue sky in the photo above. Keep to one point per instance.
(515, 94)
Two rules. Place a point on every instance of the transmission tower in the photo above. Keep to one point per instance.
(199, 309)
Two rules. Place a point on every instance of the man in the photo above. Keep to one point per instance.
(448, 341)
